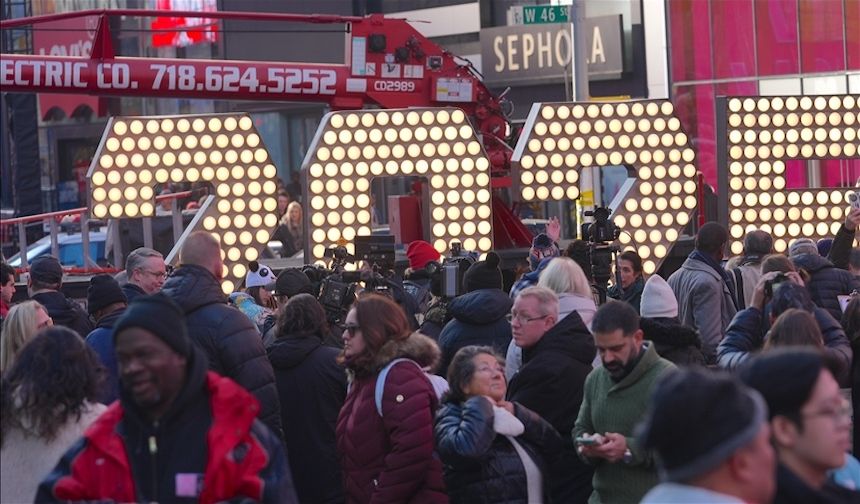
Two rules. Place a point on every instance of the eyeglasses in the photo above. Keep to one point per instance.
(351, 329)
(156, 274)
(46, 323)
(522, 319)
(838, 414)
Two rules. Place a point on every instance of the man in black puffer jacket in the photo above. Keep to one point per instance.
(826, 281)
(556, 360)
(231, 342)
(479, 315)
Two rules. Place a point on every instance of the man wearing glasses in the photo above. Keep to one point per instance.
(146, 273)
(810, 423)
(557, 356)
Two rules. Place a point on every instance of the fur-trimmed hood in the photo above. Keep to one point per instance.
(418, 347)
(669, 332)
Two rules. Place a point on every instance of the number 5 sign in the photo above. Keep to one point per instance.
(223, 150)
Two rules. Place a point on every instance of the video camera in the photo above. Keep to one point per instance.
(449, 275)
(773, 283)
(599, 235)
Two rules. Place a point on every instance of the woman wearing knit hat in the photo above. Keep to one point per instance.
(660, 324)
(478, 317)
(257, 302)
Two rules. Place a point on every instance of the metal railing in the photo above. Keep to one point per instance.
(53, 219)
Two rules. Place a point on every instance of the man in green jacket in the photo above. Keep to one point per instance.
(616, 399)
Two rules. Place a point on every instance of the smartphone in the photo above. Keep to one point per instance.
(854, 200)
(584, 441)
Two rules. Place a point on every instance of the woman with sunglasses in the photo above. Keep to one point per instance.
(493, 450)
(385, 428)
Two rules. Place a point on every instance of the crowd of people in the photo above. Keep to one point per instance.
(731, 381)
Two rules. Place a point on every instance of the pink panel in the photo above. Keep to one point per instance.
(734, 41)
(795, 174)
(821, 43)
(689, 32)
(852, 30)
(776, 35)
(695, 108)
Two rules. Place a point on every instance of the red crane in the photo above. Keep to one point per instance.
(388, 64)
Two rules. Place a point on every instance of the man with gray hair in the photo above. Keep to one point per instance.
(145, 273)
(557, 356)
(757, 244)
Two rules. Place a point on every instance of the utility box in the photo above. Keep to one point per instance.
(404, 218)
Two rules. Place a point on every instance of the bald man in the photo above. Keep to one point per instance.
(232, 344)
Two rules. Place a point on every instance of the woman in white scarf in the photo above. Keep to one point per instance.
(493, 450)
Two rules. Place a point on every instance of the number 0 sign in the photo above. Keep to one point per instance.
(224, 150)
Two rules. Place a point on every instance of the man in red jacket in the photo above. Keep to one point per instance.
(178, 433)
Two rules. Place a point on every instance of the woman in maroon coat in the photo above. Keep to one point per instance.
(387, 458)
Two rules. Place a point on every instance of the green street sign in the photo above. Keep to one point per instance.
(541, 14)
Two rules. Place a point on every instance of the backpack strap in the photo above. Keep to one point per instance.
(739, 289)
(380, 380)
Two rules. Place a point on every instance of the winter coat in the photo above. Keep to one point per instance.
(26, 459)
(749, 272)
(262, 317)
(389, 458)
(65, 312)
(631, 295)
(748, 330)
(704, 303)
(232, 344)
(436, 318)
(790, 489)
(101, 340)
(209, 429)
(840, 251)
(610, 406)
(312, 388)
(551, 383)
(529, 279)
(289, 244)
(478, 319)
(826, 282)
(132, 292)
(482, 465)
(673, 341)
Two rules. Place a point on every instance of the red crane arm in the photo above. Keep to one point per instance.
(388, 64)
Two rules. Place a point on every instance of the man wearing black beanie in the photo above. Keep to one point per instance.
(478, 317)
(179, 433)
(711, 439)
(106, 302)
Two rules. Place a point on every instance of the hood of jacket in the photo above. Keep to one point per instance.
(669, 332)
(811, 262)
(192, 287)
(289, 352)
(480, 307)
(109, 320)
(584, 306)
(569, 337)
(416, 346)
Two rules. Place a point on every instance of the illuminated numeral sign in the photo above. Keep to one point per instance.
(759, 135)
(352, 148)
(560, 138)
(224, 150)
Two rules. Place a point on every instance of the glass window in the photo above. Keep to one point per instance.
(690, 35)
(822, 46)
(734, 51)
(776, 36)
(695, 108)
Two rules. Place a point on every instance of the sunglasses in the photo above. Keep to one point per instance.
(352, 329)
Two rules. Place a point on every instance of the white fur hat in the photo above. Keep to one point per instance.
(658, 300)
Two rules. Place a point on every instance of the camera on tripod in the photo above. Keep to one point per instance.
(452, 270)
(600, 234)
